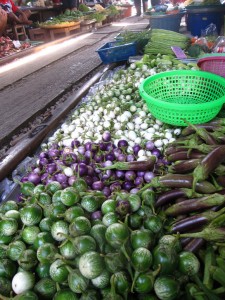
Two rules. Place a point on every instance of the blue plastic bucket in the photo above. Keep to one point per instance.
(196, 22)
(167, 21)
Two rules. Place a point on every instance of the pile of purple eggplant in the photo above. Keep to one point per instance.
(192, 194)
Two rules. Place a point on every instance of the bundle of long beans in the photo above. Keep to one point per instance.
(163, 40)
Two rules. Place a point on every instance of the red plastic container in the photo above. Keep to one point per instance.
(214, 63)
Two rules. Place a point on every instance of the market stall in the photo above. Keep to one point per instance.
(43, 13)
(125, 199)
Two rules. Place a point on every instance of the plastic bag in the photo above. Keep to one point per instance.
(6, 186)
(219, 46)
(201, 41)
(210, 32)
(203, 45)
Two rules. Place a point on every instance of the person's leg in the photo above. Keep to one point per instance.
(73, 4)
(145, 5)
(13, 19)
(23, 20)
(27, 13)
(137, 4)
(3, 20)
(65, 4)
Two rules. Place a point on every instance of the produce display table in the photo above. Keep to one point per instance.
(87, 25)
(37, 34)
(53, 32)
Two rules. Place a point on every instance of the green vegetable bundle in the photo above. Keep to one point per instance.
(162, 40)
(67, 16)
(112, 10)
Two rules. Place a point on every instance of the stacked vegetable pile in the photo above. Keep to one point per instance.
(112, 11)
(75, 251)
(197, 160)
(141, 38)
(66, 18)
(97, 13)
(164, 40)
(97, 216)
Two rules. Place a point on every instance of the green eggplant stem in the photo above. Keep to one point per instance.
(219, 290)
(202, 133)
(218, 275)
(193, 292)
(202, 148)
(208, 234)
(58, 288)
(6, 298)
(69, 269)
(191, 142)
(113, 289)
(153, 274)
(220, 262)
(208, 293)
(208, 262)
(218, 221)
(124, 251)
(130, 271)
(136, 274)
(135, 165)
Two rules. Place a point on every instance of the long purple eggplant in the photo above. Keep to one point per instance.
(185, 155)
(209, 127)
(184, 166)
(204, 135)
(203, 148)
(194, 245)
(219, 136)
(185, 241)
(180, 181)
(169, 196)
(214, 231)
(195, 221)
(195, 204)
(208, 164)
(173, 149)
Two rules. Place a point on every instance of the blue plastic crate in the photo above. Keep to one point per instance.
(112, 52)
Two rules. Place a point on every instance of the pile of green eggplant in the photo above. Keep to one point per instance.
(53, 247)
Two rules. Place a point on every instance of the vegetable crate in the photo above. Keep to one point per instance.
(214, 63)
(140, 42)
(112, 52)
(166, 21)
(175, 97)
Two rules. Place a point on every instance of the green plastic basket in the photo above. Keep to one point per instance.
(176, 96)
